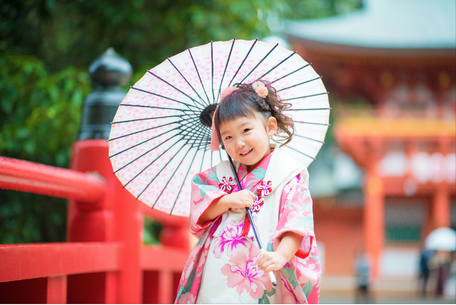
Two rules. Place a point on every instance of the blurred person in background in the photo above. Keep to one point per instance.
(362, 266)
(441, 262)
(424, 271)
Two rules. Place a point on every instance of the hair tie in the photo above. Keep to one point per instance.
(227, 91)
(260, 89)
(215, 143)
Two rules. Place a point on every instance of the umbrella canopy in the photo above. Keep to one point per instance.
(441, 239)
(160, 136)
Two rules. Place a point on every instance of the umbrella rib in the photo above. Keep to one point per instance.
(145, 119)
(183, 145)
(259, 63)
(308, 81)
(146, 141)
(163, 169)
(177, 89)
(186, 81)
(139, 131)
(165, 97)
(300, 152)
(212, 70)
(276, 66)
(137, 144)
(153, 107)
(202, 136)
(169, 180)
(140, 156)
(152, 161)
(199, 76)
(226, 67)
(182, 185)
(312, 139)
(291, 73)
(163, 108)
(243, 61)
(304, 122)
(305, 96)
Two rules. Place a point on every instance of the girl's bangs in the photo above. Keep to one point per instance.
(233, 108)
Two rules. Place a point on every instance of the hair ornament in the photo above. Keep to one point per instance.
(226, 92)
(260, 88)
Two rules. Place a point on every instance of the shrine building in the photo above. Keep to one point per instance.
(390, 68)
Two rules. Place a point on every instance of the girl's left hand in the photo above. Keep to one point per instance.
(270, 261)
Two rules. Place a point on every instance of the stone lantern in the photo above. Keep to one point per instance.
(109, 73)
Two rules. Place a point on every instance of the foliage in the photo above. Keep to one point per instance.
(311, 9)
(152, 230)
(39, 111)
(39, 120)
(145, 32)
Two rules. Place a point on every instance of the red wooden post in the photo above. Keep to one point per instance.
(115, 218)
(92, 222)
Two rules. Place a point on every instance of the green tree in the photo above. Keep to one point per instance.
(39, 118)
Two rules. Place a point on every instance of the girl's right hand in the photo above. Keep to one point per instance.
(241, 199)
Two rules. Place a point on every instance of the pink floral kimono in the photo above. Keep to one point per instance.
(222, 267)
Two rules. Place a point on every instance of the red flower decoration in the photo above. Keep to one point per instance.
(227, 185)
(263, 189)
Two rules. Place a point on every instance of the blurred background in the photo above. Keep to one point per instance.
(384, 180)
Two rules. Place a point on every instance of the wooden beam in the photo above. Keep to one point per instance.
(28, 261)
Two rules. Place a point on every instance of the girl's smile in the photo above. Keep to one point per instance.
(246, 139)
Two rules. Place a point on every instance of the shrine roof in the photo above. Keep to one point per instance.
(390, 24)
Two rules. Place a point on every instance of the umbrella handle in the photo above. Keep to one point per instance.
(252, 221)
(271, 273)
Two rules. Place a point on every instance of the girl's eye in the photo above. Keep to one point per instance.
(227, 138)
(246, 130)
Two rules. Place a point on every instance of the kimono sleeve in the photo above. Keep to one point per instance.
(296, 215)
(205, 189)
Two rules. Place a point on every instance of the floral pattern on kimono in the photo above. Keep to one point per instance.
(299, 278)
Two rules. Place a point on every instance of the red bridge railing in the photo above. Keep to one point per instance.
(104, 260)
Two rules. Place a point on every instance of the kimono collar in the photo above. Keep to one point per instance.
(277, 167)
(250, 179)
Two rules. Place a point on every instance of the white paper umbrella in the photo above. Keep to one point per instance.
(441, 239)
(160, 136)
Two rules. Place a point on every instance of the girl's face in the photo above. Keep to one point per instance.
(246, 139)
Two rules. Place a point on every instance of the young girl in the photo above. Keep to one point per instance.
(226, 265)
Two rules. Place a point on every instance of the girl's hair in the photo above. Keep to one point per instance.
(244, 102)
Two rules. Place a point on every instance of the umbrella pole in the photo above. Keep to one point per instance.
(252, 221)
